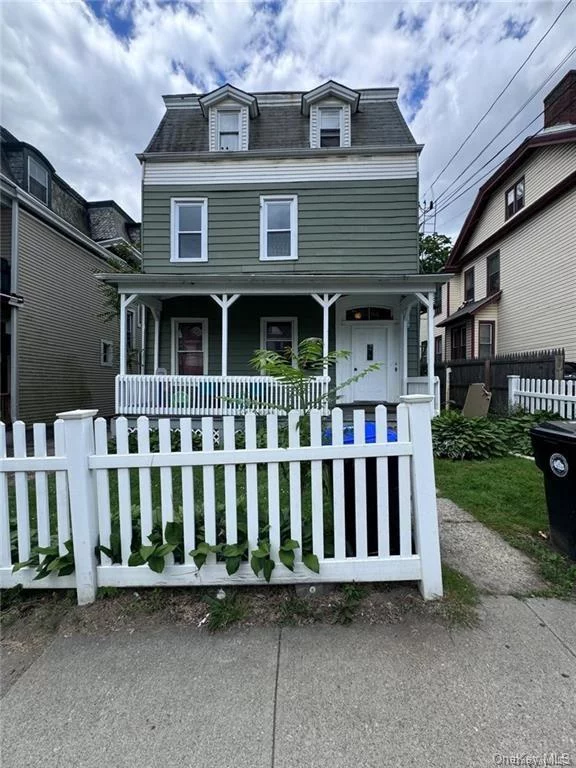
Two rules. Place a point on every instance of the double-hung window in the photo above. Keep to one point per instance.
(278, 228)
(37, 180)
(485, 339)
(515, 198)
(493, 273)
(189, 230)
(469, 284)
(330, 127)
(279, 334)
(458, 346)
(229, 129)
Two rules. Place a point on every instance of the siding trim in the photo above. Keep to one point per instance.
(229, 172)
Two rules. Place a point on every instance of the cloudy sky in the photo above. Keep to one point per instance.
(83, 81)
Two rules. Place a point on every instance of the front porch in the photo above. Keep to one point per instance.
(197, 343)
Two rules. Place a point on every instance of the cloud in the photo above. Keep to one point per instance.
(83, 81)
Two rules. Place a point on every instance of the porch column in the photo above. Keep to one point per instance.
(142, 311)
(325, 302)
(406, 306)
(156, 316)
(428, 301)
(125, 302)
(430, 349)
(224, 303)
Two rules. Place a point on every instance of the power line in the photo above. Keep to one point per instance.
(502, 92)
(501, 130)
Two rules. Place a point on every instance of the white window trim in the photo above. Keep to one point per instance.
(133, 312)
(238, 112)
(174, 231)
(293, 320)
(174, 342)
(28, 178)
(293, 200)
(102, 360)
(341, 121)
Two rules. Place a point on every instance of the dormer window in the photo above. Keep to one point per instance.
(515, 198)
(229, 129)
(330, 122)
(37, 180)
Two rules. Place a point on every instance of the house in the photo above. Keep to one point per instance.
(268, 218)
(57, 350)
(514, 262)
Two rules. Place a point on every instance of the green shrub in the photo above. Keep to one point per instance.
(516, 429)
(456, 437)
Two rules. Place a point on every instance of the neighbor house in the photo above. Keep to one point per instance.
(268, 218)
(514, 262)
(58, 351)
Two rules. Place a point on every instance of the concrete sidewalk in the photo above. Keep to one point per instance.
(320, 696)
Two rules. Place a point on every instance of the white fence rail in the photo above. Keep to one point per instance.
(164, 395)
(543, 395)
(366, 510)
(418, 385)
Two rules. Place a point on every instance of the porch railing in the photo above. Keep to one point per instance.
(163, 395)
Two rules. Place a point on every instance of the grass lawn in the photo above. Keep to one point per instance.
(507, 495)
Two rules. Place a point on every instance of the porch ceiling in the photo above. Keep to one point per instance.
(272, 284)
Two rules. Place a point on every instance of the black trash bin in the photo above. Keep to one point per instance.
(371, 493)
(554, 445)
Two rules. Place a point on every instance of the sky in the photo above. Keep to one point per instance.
(83, 81)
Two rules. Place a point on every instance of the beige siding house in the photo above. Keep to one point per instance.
(58, 350)
(514, 287)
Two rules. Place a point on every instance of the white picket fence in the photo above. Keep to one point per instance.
(89, 494)
(166, 395)
(543, 395)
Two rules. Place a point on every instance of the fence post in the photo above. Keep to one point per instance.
(79, 442)
(559, 365)
(513, 387)
(424, 495)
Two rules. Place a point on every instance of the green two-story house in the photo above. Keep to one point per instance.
(268, 218)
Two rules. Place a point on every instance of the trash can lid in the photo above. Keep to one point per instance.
(558, 430)
(369, 434)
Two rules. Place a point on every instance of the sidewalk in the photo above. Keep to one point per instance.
(318, 697)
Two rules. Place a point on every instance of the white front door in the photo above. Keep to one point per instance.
(370, 345)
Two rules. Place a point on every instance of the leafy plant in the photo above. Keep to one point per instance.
(52, 561)
(456, 437)
(261, 560)
(352, 594)
(154, 554)
(233, 554)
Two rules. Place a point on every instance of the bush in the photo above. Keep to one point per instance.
(456, 437)
(516, 429)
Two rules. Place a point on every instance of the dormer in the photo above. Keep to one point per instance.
(330, 107)
(229, 111)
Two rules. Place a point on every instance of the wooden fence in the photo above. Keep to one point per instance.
(543, 395)
(493, 372)
(366, 510)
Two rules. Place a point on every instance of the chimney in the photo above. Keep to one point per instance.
(560, 104)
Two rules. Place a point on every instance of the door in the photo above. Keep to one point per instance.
(190, 347)
(370, 345)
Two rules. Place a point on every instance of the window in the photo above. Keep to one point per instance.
(369, 313)
(515, 198)
(438, 349)
(438, 300)
(330, 127)
(493, 273)
(106, 353)
(37, 180)
(458, 336)
(130, 328)
(279, 334)
(485, 339)
(189, 230)
(278, 228)
(190, 344)
(469, 284)
(228, 129)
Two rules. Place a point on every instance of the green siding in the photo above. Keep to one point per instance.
(244, 327)
(349, 226)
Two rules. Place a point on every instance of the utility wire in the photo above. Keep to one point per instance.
(501, 130)
(502, 92)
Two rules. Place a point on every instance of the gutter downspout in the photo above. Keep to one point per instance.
(14, 393)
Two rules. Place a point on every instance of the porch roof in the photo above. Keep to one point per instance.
(268, 283)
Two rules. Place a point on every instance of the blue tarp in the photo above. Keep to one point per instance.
(369, 434)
